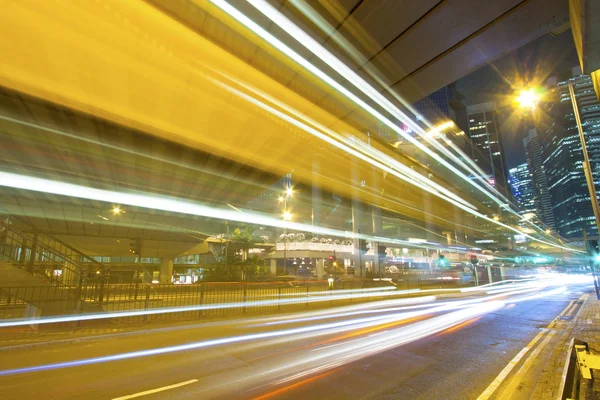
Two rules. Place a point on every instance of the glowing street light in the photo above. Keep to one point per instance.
(116, 210)
(548, 231)
(287, 216)
(528, 99)
(289, 191)
(280, 199)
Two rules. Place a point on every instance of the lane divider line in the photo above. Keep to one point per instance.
(160, 389)
(489, 391)
(526, 365)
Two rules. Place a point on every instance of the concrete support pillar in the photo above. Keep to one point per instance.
(317, 193)
(430, 231)
(23, 252)
(489, 271)
(33, 256)
(358, 270)
(273, 266)
(320, 268)
(166, 271)
(502, 273)
(448, 237)
(377, 229)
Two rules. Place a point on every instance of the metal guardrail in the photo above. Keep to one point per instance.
(577, 379)
(239, 298)
(48, 258)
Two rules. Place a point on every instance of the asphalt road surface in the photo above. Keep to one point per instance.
(445, 347)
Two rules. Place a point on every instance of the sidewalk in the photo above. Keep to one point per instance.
(537, 371)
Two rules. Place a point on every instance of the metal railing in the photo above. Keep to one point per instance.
(53, 261)
(229, 298)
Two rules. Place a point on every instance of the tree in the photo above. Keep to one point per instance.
(237, 262)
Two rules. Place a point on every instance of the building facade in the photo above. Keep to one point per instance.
(539, 180)
(522, 188)
(443, 105)
(562, 153)
(488, 150)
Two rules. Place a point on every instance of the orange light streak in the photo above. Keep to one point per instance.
(294, 385)
(369, 330)
(460, 326)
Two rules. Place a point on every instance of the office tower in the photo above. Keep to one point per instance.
(488, 150)
(443, 105)
(522, 189)
(562, 155)
(539, 180)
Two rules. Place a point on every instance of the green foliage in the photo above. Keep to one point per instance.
(237, 263)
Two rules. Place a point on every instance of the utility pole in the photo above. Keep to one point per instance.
(135, 247)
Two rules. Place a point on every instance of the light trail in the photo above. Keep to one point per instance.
(248, 304)
(344, 325)
(334, 296)
(318, 50)
(309, 43)
(392, 166)
(299, 364)
(384, 167)
(293, 386)
(401, 175)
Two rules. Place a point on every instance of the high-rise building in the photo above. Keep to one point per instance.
(443, 105)
(562, 154)
(539, 179)
(488, 150)
(522, 188)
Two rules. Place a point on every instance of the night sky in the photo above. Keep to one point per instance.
(530, 65)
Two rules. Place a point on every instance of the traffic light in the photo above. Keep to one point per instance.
(474, 260)
(135, 246)
(594, 253)
(333, 260)
(442, 260)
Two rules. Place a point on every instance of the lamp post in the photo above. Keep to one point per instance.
(287, 216)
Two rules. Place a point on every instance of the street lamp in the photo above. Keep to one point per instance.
(287, 216)
(528, 99)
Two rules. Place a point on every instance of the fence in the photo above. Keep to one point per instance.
(214, 299)
(44, 256)
(208, 299)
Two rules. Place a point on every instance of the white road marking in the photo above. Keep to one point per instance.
(489, 391)
(160, 389)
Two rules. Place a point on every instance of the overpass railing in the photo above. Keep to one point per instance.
(53, 261)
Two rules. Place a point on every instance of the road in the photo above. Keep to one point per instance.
(448, 347)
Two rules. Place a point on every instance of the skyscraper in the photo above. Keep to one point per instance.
(539, 180)
(488, 149)
(562, 154)
(443, 105)
(522, 189)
